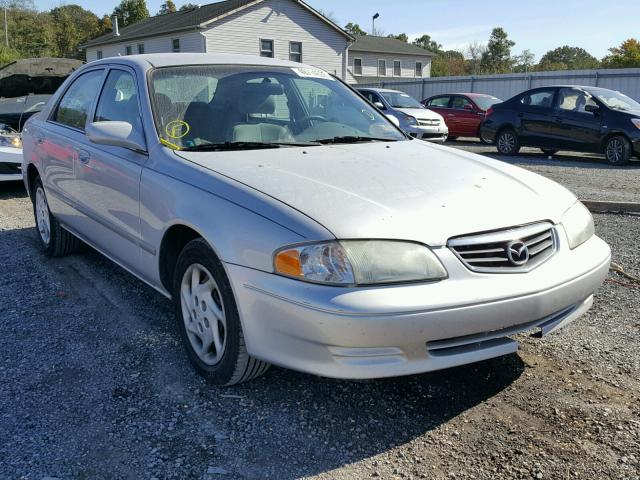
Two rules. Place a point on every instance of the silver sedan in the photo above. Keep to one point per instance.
(293, 224)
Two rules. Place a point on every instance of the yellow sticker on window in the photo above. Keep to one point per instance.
(177, 129)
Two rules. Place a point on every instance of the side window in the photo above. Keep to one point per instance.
(74, 106)
(372, 97)
(542, 98)
(397, 68)
(357, 66)
(460, 103)
(418, 69)
(574, 100)
(382, 68)
(118, 100)
(441, 102)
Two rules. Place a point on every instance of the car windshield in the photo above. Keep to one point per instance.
(400, 100)
(215, 107)
(485, 102)
(616, 100)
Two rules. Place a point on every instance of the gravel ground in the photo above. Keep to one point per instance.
(589, 176)
(94, 384)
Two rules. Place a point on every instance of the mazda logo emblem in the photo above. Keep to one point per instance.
(517, 253)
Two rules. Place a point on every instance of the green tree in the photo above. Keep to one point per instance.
(167, 7)
(354, 29)
(425, 42)
(73, 25)
(524, 62)
(401, 36)
(30, 32)
(448, 63)
(130, 12)
(567, 58)
(627, 55)
(105, 25)
(497, 58)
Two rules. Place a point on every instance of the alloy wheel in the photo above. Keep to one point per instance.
(42, 216)
(506, 142)
(615, 150)
(203, 314)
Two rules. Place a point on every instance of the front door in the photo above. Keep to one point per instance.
(466, 117)
(108, 177)
(573, 127)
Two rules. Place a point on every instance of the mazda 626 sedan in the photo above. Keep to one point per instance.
(293, 224)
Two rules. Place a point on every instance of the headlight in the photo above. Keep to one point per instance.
(359, 262)
(636, 122)
(578, 224)
(410, 120)
(10, 141)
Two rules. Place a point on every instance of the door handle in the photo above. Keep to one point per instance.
(451, 114)
(40, 139)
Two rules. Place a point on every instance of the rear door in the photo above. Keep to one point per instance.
(58, 145)
(440, 104)
(465, 116)
(108, 177)
(573, 127)
(534, 112)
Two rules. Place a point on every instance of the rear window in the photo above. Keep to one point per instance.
(543, 98)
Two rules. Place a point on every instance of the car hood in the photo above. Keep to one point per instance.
(408, 190)
(420, 113)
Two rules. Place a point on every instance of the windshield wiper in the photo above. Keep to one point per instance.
(225, 146)
(354, 139)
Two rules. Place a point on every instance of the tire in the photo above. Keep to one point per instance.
(549, 151)
(485, 141)
(208, 319)
(507, 142)
(618, 150)
(55, 240)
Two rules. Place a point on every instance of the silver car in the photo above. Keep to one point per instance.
(293, 224)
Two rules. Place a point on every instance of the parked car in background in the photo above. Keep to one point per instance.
(414, 118)
(462, 112)
(25, 87)
(584, 119)
(330, 243)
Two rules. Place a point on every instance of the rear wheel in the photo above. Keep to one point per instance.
(208, 318)
(549, 151)
(507, 142)
(618, 150)
(55, 240)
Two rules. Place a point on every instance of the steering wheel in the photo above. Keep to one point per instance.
(319, 118)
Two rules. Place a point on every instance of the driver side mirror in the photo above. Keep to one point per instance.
(591, 108)
(380, 105)
(117, 134)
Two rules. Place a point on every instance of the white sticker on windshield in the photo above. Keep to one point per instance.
(404, 95)
(312, 73)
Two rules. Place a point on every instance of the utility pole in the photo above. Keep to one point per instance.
(6, 31)
(373, 24)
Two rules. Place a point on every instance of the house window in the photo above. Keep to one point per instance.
(382, 68)
(127, 50)
(266, 48)
(357, 66)
(175, 45)
(397, 70)
(141, 48)
(418, 69)
(295, 51)
(99, 54)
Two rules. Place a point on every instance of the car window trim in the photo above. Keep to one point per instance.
(54, 110)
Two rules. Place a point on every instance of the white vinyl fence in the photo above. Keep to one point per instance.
(626, 80)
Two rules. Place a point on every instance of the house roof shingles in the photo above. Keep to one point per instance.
(181, 20)
(369, 43)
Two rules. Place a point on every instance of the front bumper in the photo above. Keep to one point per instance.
(406, 329)
(10, 164)
(432, 134)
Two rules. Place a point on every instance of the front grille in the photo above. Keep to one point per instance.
(10, 169)
(530, 246)
(431, 122)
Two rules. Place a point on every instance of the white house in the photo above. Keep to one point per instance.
(375, 59)
(284, 29)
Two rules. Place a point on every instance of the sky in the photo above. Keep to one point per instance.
(539, 26)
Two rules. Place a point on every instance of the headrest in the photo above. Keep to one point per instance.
(258, 98)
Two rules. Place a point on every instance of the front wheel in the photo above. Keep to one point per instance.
(208, 318)
(507, 142)
(55, 240)
(618, 150)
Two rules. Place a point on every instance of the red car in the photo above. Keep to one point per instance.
(462, 112)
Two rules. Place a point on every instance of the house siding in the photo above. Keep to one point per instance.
(192, 41)
(370, 66)
(282, 21)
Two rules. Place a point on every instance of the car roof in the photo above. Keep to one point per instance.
(146, 61)
(381, 90)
